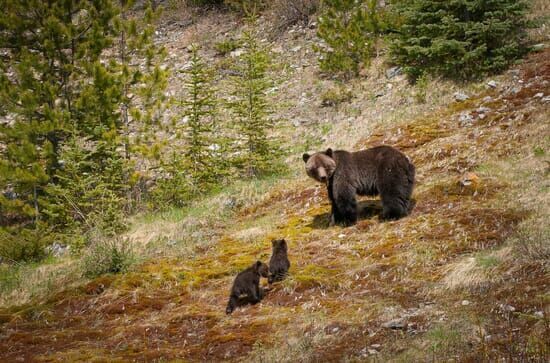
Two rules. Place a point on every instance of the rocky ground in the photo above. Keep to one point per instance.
(463, 278)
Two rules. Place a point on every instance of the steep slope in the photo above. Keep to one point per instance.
(453, 281)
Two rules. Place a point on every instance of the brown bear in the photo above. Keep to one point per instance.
(246, 287)
(381, 170)
(279, 263)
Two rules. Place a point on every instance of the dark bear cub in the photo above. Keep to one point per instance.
(246, 287)
(381, 170)
(279, 263)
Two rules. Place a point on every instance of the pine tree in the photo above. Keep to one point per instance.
(459, 39)
(349, 29)
(66, 143)
(198, 134)
(254, 122)
(47, 48)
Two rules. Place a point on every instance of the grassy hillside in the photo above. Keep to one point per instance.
(465, 277)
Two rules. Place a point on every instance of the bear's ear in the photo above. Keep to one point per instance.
(257, 265)
(306, 157)
(329, 152)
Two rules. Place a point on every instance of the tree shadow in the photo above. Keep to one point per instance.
(366, 209)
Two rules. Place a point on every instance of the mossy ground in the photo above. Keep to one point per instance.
(344, 283)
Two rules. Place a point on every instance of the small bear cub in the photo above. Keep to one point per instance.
(279, 263)
(246, 287)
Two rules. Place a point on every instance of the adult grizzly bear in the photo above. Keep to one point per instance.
(381, 170)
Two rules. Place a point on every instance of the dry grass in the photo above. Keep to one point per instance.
(456, 274)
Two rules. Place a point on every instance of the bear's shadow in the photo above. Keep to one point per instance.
(366, 209)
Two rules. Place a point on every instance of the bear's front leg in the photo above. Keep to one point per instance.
(344, 207)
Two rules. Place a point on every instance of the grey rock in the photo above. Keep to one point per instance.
(57, 249)
(538, 314)
(483, 109)
(393, 72)
(230, 203)
(538, 47)
(546, 99)
(465, 119)
(487, 99)
(395, 324)
(492, 84)
(539, 95)
(460, 97)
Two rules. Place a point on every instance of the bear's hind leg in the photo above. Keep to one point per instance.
(394, 208)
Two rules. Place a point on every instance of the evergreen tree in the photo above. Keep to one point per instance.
(46, 48)
(257, 150)
(198, 133)
(65, 160)
(349, 28)
(460, 38)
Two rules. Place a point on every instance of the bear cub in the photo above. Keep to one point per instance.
(381, 170)
(246, 287)
(279, 263)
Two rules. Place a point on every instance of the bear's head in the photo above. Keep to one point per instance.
(261, 268)
(279, 244)
(320, 166)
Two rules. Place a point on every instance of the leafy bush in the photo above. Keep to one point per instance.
(107, 256)
(289, 12)
(24, 244)
(247, 7)
(225, 47)
(335, 95)
(349, 28)
(459, 39)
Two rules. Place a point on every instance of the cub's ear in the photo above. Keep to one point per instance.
(306, 157)
(257, 265)
(329, 152)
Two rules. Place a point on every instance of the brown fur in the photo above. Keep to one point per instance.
(246, 287)
(279, 263)
(381, 170)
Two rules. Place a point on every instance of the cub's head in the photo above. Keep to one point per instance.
(278, 244)
(261, 268)
(320, 166)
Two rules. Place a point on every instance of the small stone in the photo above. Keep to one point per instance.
(465, 119)
(296, 49)
(236, 53)
(393, 72)
(538, 47)
(341, 235)
(394, 324)
(539, 314)
(460, 97)
(372, 351)
(465, 303)
(483, 109)
(546, 99)
(539, 95)
(375, 346)
(379, 94)
(492, 84)
(487, 99)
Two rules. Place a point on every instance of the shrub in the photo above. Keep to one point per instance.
(289, 12)
(225, 47)
(247, 7)
(335, 96)
(24, 244)
(107, 256)
(459, 39)
(348, 27)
